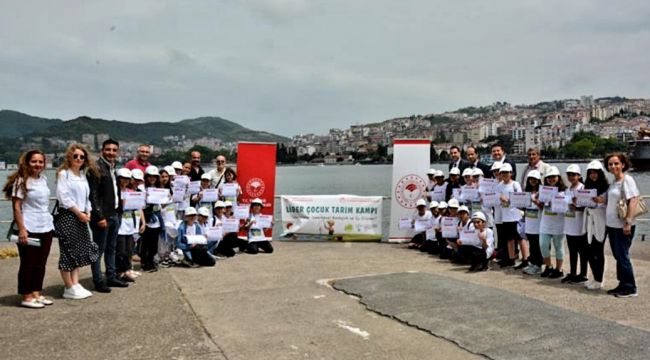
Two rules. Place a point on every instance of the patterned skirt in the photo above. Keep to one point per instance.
(75, 245)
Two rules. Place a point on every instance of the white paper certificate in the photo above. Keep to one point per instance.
(194, 187)
(469, 194)
(469, 237)
(230, 225)
(422, 225)
(405, 224)
(546, 193)
(449, 227)
(584, 198)
(455, 193)
(134, 200)
(256, 234)
(486, 185)
(242, 211)
(178, 193)
(263, 221)
(181, 180)
(209, 195)
(214, 233)
(157, 196)
(559, 204)
(229, 190)
(519, 199)
(196, 239)
(490, 199)
(438, 194)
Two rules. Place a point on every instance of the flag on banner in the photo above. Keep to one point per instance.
(411, 161)
(256, 176)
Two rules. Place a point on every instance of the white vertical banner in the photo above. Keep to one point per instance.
(410, 164)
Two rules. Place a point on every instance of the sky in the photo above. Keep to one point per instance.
(297, 66)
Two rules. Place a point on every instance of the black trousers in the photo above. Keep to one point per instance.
(149, 247)
(227, 246)
(123, 253)
(201, 257)
(535, 256)
(596, 254)
(418, 238)
(475, 256)
(255, 247)
(578, 247)
(33, 260)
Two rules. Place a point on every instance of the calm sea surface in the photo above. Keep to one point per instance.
(373, 180)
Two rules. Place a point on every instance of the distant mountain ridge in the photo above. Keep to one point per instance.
(16, 124)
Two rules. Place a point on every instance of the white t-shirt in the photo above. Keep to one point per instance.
(129, 223)
(73, 191)
(35, 205)
(574, 220)
(509, 214)
(532, 216)
(552, 223)
(490, 243)
(613, 195)
(427, 216)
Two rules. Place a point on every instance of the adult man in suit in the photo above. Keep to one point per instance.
(457, 161)
(534, 163)
(472, 158)
(499, 154)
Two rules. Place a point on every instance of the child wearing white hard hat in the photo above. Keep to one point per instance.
(576, 235)
(532, 216)
(551, 227)
(478, 250)
(256, 238)
(129, 226)
(510, 216)
(154, 223)
(596, 223)
(195, 253)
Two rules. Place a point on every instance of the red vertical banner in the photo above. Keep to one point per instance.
(256, 175)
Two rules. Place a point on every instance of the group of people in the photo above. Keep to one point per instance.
(176, 215)
(480, 212)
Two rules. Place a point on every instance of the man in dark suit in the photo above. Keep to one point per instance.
(456, 160)
(472, 158)
(499, 154)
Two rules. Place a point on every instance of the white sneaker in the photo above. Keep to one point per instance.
(72, 293)
(82, 291)
(32, 304)
(532, 270)
(594, 285)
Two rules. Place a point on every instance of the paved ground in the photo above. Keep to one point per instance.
(268, 307)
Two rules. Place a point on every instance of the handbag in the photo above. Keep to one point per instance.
(13, 230)
(621, 206)
(56, 214)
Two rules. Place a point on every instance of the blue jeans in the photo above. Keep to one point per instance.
(545, 241)
(106, 240)
(621, 244)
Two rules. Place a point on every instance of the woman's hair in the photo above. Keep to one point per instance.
(560, 183)
(89, 164)
(146, 180)
(21, 174)
(530, 187)
(601, 185)
(169, 182)
(625, 160)
(230, 170)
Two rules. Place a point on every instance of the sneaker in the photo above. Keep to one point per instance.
(82, 291)
(556, 274)
(72, 294)
(45, 301)
(102, 288)
(626, 294)
(568, 279)
(579, 279)
(594, 285)
(32, 304)
(533, 269)
(507, 263)
(615, 290)
(522, 265)
(547, 271)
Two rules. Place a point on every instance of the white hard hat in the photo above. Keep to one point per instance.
(478, 215)
(467, 172)
(220, 204)
(170, 170)
(433, 205)
(573, 168)
(595, 165)
(431, 172)
(477, 172)
(257, 201)
(421, 202)
(453, 203)
(124, 173)
(552, 171)
(505, 168)
(206, 177)
(442, 205)
(439, 173)
(137, 174)
(177, 165)
(535, 174)
(455, 171)
(496, 165)
(463, 208)
(151, 170)
(227, 203)
(190, 211)
(203, 211)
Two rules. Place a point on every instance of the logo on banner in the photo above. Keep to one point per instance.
(409, 189)
(255, 187)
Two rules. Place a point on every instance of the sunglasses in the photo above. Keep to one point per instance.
(220, 162)
(78, 157)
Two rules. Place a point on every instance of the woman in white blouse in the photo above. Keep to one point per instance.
(76, 247)
(29, 194)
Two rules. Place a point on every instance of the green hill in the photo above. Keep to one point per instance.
(16, 124)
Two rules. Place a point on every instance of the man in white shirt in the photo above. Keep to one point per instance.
(216, 175)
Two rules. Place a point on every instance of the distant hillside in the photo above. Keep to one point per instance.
(15, 124)
(18, 124)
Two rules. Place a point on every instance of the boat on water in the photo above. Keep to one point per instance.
(639, 150)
